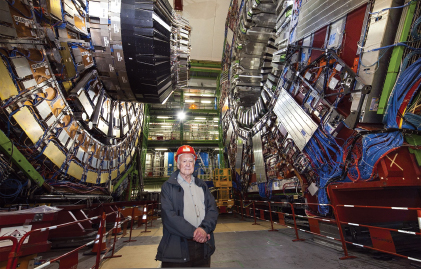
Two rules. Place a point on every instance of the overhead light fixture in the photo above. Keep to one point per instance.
(162, 117)
(181, 115)
(161, 149)
(216, 148)
(207, 95)
(199, 118)
(216, 121)
(206, 102)
(215, 118)
(159, 134)
(189, 101)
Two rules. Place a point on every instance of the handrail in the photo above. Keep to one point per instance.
(22, 239)
(336, 220)
(382, 228)
(12, 253)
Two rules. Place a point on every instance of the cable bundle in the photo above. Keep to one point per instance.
(326, 157)
(405, 88)
(262, 189)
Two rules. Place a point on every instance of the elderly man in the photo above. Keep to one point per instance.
(189, 216)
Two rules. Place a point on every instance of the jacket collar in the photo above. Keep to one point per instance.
(173, 179)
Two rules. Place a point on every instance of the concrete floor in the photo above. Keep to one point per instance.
(241, 244)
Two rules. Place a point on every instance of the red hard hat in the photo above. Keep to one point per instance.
(183, 150)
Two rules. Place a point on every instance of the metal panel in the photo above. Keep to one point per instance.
(229, 134)
(259, 163)
(54, 154)
(318, 13)
(22, 67)
(294, 119)
(28, 123)
(7, 87)
(239, 155)
(75, 171)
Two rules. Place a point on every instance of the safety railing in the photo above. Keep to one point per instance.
(13, 253)
(281, 220)
(381, 237)
(101, 245)
(99, 240)
(248, 208)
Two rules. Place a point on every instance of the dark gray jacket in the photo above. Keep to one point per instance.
(176, 230)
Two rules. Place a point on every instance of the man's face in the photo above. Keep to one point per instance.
(186, 164)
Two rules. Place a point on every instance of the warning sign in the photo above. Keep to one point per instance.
(16, 231)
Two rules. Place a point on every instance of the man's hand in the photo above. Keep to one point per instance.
(200, 235)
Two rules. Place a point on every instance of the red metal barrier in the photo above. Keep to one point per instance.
(254, 214)
(145, 218)
(381, 232)
(12, 254)
(131, 227)
(385, 245)
(22, 239)
(344, 248)
(115, 232)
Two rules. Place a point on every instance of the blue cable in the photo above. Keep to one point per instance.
(385, 9)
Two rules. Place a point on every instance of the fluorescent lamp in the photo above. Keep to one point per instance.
(189, 101)
(215, 118)
(161, 149)
(162, 117)
(181, 115)
(216, 121)
(199, 118)
(206, 102)
(207, 95)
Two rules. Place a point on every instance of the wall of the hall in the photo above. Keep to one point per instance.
(207, 18)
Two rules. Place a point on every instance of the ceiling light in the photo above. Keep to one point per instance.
(215, 118)
(159, 134)
(206, 102)
(208, 95)
(189, 101)
(199, 118)
(181, 115)
(161, 149)
(162, 117)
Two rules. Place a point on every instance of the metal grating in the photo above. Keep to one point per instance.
(294, 119)
(259, 163)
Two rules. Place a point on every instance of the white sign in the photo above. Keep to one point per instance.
(16, 231)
